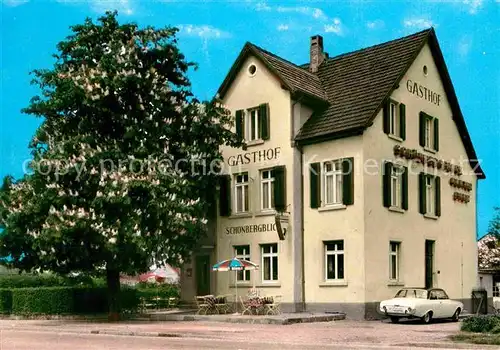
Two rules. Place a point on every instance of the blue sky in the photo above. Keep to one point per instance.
(213, 32)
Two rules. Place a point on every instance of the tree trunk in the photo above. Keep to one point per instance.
(113, 282)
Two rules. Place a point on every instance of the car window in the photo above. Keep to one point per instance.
(412, 293)
(401, 294)
(441, 294)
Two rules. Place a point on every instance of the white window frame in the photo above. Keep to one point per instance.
(396, 187)
(394, 123)
(396, 254)
(429, 133)
(430, 194)
(253, 125)
(244, 275)
(245, 192)
(336, 185)
(269, 181)
(272, 254)
(335, 253)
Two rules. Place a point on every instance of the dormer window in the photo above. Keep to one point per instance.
(252, 125)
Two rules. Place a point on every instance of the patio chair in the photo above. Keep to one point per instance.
(274, 308)
(221, 304)
(246, 307)
(202, 305)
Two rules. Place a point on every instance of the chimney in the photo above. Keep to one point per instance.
(317, 54)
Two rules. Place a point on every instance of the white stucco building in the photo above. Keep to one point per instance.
(367, 158)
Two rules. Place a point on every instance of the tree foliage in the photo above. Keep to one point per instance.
(489, 245)
(125, 162)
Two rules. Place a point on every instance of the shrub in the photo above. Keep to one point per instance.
(481, 324)
(150, 290)
(45, 280)
(5, 301)
(46, 300)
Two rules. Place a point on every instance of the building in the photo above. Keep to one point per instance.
(367, 161)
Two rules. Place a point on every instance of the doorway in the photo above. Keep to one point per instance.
(202, 263)
(429, 263)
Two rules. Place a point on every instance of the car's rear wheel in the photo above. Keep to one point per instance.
(394, 319)
(456, 315)
(427, 318)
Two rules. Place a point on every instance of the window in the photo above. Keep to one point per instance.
(269, 262)
(334, 260)
(393, 119)
(396, 181)
(242, 252)
(241, 193)
(267, 189)
(332, 182)
(429, 132)
(394, 261)
(429, 194)
(253, 125)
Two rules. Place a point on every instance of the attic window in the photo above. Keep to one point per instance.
(252, 69)
(425, 70)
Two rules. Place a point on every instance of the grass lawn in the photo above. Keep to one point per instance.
(477, 338)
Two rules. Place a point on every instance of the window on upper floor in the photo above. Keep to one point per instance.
(395, 186)
(241, 193)
(267, 189)
(332, 183)
(253, 124)
(395, 119)
(429, 132)
(430, 195)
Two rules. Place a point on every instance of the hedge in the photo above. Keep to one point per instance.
(44, 280)
(63, 300)
(481, 324)
(44, 300)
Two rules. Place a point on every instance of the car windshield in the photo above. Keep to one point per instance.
(412, 293)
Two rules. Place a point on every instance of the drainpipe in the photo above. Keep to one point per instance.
(300, 205)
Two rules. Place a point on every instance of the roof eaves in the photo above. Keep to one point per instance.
(249, 48)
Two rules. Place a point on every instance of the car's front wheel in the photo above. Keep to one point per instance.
(427, 318)
(456, 315)
(394, 319)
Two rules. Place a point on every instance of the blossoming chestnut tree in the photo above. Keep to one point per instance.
(125, 163)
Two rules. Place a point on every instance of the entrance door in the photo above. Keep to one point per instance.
(429, 263)
(202, 274)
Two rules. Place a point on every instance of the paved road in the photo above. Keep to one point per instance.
(51, 335)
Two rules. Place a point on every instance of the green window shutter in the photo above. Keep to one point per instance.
(421, 130)
(240, 124)
(437, 183)
(387, 127)
(315, 184)
(280, 189)
(421, 193)
(264, 121)
(225, 195)
(402, 121)
(404, 189)
(387, 184)
(348, 181)
(436, 134)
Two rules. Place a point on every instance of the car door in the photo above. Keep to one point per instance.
(435, 304)
(448, 306)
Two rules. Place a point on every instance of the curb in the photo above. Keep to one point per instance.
(251, 319)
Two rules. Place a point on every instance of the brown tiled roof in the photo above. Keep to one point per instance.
(358, 82)
(298, 78)
(353, 87)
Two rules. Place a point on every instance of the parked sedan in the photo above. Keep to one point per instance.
(422, 303)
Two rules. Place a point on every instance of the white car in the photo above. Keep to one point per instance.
(422, 303)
